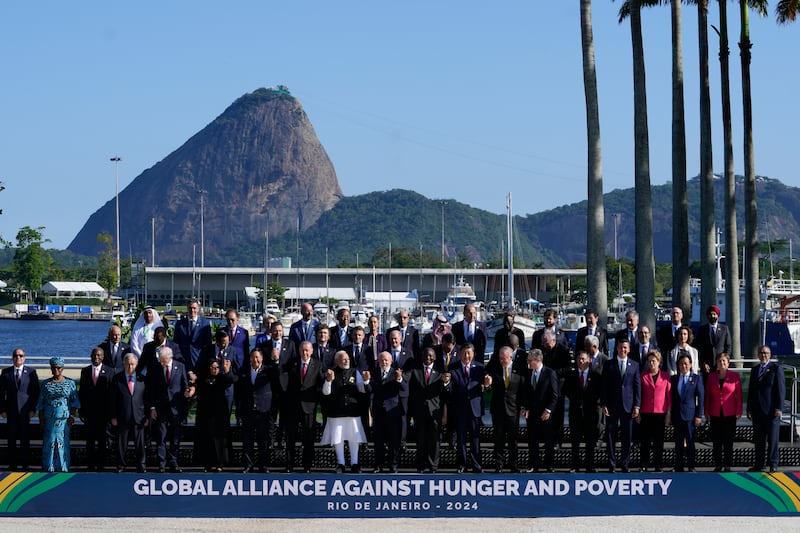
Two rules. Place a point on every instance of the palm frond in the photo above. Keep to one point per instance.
(787, 11)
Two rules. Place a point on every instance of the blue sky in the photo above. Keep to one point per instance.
(453, 99)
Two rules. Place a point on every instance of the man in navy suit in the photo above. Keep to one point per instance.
(305, 388)
(540, 397)
(507, 386)
(467, 386)
(128, 414)
(254, 396)
(284, 352)
(620, 399)
(386, 388)
(93, 395)
(360, 353)
(149, 358)
(630, 333)
(550, 318)
(238, 337)
(340, 333)
(665, 336)
(471, 331)
(409, 335)
(192, 334)
(686, 412)
(592, 327)
(167, 392)
(304, 329)
(19, 394)
(582, 387)
(428, 388)
(711, 340)
(114, 349)
(764, 407)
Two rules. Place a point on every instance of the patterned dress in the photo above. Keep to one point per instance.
(55, 401)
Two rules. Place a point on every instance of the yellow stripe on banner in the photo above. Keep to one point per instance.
(789, 487)
(8, 483)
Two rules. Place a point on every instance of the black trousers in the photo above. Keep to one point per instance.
(258, 429)
(723, 431)
(96, 442)
(651, 432)
(136, 432)
(506, 430)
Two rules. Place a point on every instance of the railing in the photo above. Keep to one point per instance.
(793, 407)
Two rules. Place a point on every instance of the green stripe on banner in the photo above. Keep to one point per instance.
(772, 485)
(755, 489)
(33, 486)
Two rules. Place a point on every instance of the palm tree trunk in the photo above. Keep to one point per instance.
(752, 296)
(732, 314)
(595, 221)
(707, 227)
(680, 206)
(645, 265)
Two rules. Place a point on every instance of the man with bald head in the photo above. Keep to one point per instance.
(114, 349)
(93, 395)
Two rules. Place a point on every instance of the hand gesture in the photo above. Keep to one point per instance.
(398, 374)
(365, 375)
(487, 381)
(329, 375)
(446, 377)
(226, 366)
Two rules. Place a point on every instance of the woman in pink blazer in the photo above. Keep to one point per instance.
(723, 408)
(656, 403)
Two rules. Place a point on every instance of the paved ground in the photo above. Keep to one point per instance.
(618, 524)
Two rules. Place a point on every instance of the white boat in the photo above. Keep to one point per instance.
(272, 308)
(461, 293)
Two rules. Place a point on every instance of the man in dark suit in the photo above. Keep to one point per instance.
(665, 336)
(340, 333)
(405, 361)
(630, 333)
(765, 397)
(167, 392)
(93, 393)
(471, 331)
(446, 353)
(646, 345)
(711, 340)
(361, 356)
(409, 335)
(305, 388)
(540, 396)
(255, 398)
(550, 318)
(284, 352)
(220, 351)
(467, 385)
(519, 357)
(19, 394)
(386, 388)
(128, 415)
(557, 358)
(428, 390)
(582, 387)
(592, 327)
(620, 399)
(304, 329)
(114, 349)
(192, 334)
(507, 384)
(501, 338)
(323, 351)
(149, 358)
(687, 411)
(238, 337)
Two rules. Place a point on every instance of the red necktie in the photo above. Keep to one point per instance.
(94, 375)
(167, 375)
(305, 369)
(466, 372)
(427, 374)
(130, 384)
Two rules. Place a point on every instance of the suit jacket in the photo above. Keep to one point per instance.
(506, 401)
(239, 339)
(665, 338)
(644, 349)
(709, 348)
(767, 390)
(336, 337)
(440, 363)
(325, 355)
(656, 396)
(544, 396)
(387, 395)
(557, 359)
(411, 342)
(127, 408)
(501, 339)
(211, 352)
(635, 350)
(598, 362)
(167, 397)
(365, 360)
(582, 399)
(296, 331)
(727, 398)
(600, 332)
(114, 360)
(426, 398)
(404, 360)
(467, 393)
(192, 341)
(149, 357)
(287, 358)
(306, 391)
(561, 339)
(258, 395)
(94, 396)
(19, 402)
(689, 405)
(478, 340)
(620, 393)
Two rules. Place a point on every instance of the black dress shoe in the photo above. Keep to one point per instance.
(120, 469)
(247, 470)
(514, 470)
(625, 469)
(141, 470)
(264, 470)
(498, 470)
(460, 470)
(477, 470)
(287, 470)
(176, 469)
(306, 470)
(678, 469)
(393, 470)
(550, 470)
(692, 469)
(161, 469)
(433, 470)
(717, 469)
(612, 469)
(772, 470)
(340, 469)
(755, 469)
(532, 470)
(658, 469)
(726, 469)
(355, 469)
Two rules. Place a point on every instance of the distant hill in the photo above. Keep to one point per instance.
(258, 161)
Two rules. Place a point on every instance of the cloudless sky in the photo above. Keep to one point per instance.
(454, 99)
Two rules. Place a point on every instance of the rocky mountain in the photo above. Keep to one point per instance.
(260, 155)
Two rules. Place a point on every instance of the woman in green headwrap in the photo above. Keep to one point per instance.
(58, 401)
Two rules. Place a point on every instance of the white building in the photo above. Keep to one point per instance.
(74, 289)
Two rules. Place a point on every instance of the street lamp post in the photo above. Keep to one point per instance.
(116, 159)
(202, 193)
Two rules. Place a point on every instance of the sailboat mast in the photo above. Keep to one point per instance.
(510, 236)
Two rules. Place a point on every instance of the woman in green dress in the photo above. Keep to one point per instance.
(58, 402)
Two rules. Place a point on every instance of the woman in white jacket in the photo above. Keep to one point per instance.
(683, 340)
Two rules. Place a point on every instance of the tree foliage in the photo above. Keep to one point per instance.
(30, 258)
(106, 263)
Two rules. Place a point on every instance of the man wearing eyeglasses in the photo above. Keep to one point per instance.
(19, 393)
(764, 406)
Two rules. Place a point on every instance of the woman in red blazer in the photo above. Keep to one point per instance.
(723, 408)
(656, 403)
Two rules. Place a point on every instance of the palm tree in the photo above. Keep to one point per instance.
(595, 221)
(732, 312)
(787, 11)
